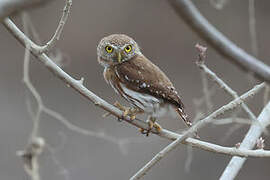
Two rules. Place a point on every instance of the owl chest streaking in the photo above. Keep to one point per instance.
(137, 79)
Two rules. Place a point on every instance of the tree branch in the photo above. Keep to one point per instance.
(191, 15)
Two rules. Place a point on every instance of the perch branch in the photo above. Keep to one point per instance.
(191, 15)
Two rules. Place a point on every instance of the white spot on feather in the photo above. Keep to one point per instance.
(143, 85)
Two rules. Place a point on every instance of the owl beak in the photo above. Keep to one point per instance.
(119, 57)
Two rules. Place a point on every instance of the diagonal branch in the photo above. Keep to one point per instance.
(191, 15)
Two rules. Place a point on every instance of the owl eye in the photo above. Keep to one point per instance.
(128, 48)
(109, 49)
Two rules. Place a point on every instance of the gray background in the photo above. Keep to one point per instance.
(164, 39)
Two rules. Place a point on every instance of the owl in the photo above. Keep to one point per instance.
(138, 80)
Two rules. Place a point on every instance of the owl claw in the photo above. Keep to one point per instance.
(127, 111)
(158, 127)
(151, 125)
(130, 112)
(119, 106)
(132, 117)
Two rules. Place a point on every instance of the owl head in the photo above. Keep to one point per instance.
(116, 49)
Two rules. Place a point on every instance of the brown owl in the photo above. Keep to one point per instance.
(138, 80)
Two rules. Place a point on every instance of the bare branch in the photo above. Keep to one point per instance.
(190, 14)
(206, 92)
(233, 120)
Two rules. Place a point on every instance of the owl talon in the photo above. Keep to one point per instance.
(127, 111)
(132, 117)
(158, 127)
(119, 106)
(151, 124)
(144, 131)
(119, 119)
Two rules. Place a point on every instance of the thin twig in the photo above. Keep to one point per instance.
(230, 120)
(252, 27)
(206, 92)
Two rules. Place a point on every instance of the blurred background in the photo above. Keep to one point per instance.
(118, 150)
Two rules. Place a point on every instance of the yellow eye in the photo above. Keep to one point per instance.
(109, 49)
(128, 48)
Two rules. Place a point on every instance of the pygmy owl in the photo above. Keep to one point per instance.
(138, 80)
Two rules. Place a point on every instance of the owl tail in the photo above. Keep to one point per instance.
(184, 116)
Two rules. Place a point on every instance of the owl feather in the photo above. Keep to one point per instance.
(141, 75)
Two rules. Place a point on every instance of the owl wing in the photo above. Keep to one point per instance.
(141, 75)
